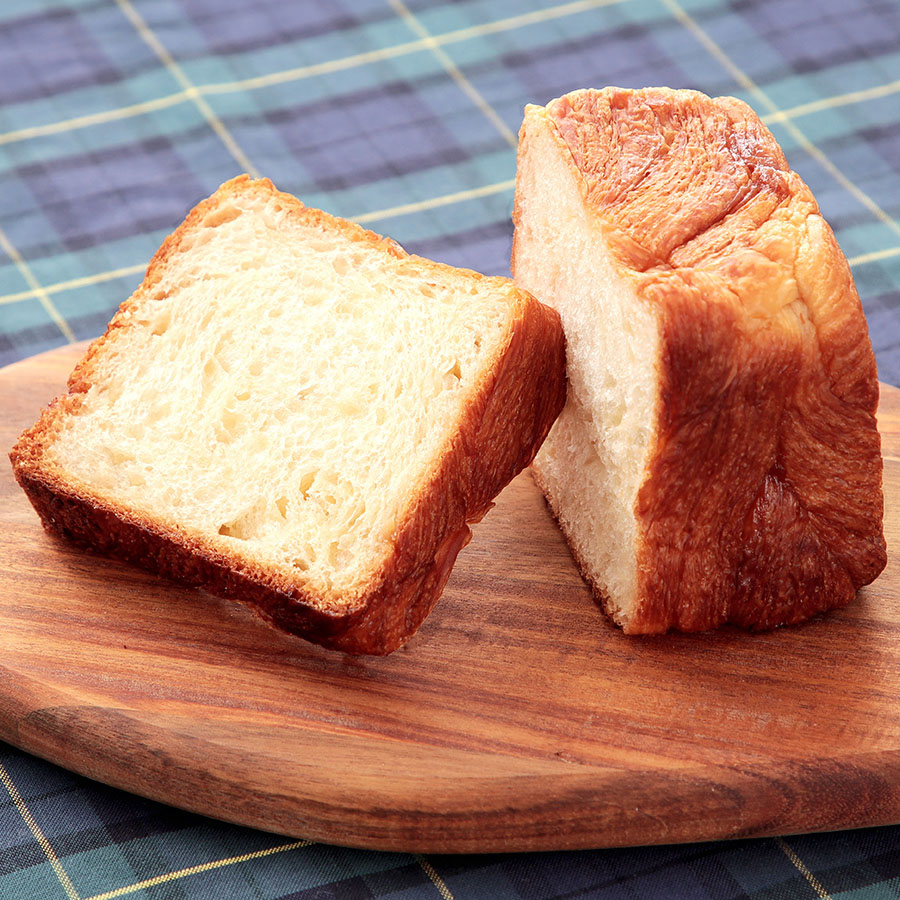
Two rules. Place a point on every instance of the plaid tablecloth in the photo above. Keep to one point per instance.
(117, 115)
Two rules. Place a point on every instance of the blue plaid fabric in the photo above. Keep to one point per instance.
(117, 115)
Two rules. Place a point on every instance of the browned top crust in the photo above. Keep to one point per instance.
(505, 421)
(676, 175)
(762, 503)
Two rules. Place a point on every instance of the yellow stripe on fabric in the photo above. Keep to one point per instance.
(73, 283)
(36, 289)
(300, 72)
(814, 882)
(190, 89)
(750, 85)
(99, 118)
(436, 879)
(454, 72)
(448, 37)
(196, 870)
(874, 256)
(39, 835)
(804, 109)
(444, 200)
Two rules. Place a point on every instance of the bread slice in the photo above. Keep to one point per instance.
(293, 412)
(717, 459)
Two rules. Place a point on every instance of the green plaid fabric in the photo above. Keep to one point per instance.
(117, 115)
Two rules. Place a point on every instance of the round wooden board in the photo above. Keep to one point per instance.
(517, 719)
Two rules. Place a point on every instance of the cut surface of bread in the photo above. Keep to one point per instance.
(293, 411)
(718, 458)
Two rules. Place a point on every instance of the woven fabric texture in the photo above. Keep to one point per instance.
(116, 116)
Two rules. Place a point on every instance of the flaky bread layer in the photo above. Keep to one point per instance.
(759, 497)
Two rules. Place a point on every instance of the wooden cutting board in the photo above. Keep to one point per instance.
(517, 719)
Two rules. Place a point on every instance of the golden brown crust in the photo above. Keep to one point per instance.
(675, 175)
(506, 420)
(762, 502)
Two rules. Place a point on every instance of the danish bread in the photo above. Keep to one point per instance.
(295, 413)
(717, 459)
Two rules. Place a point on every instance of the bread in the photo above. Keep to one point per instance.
(295, 413)
(717, 459)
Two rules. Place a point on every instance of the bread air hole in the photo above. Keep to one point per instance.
(350, 409)
(306, 482)
(244, 527)
(337, 556)
(195, 239)
(219, 351)
(110, 392)
(357, 514)
(452, 376)
(230, 427)
(161, 324)
(158, 412)
(220, 216)
(209, 371)
(119, 457)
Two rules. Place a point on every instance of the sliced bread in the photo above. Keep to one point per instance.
(295, 413)
(718, 458)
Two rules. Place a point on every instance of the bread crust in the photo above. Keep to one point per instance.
(761, 503)
(505, 421)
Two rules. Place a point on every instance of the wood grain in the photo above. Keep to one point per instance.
(517, 719)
